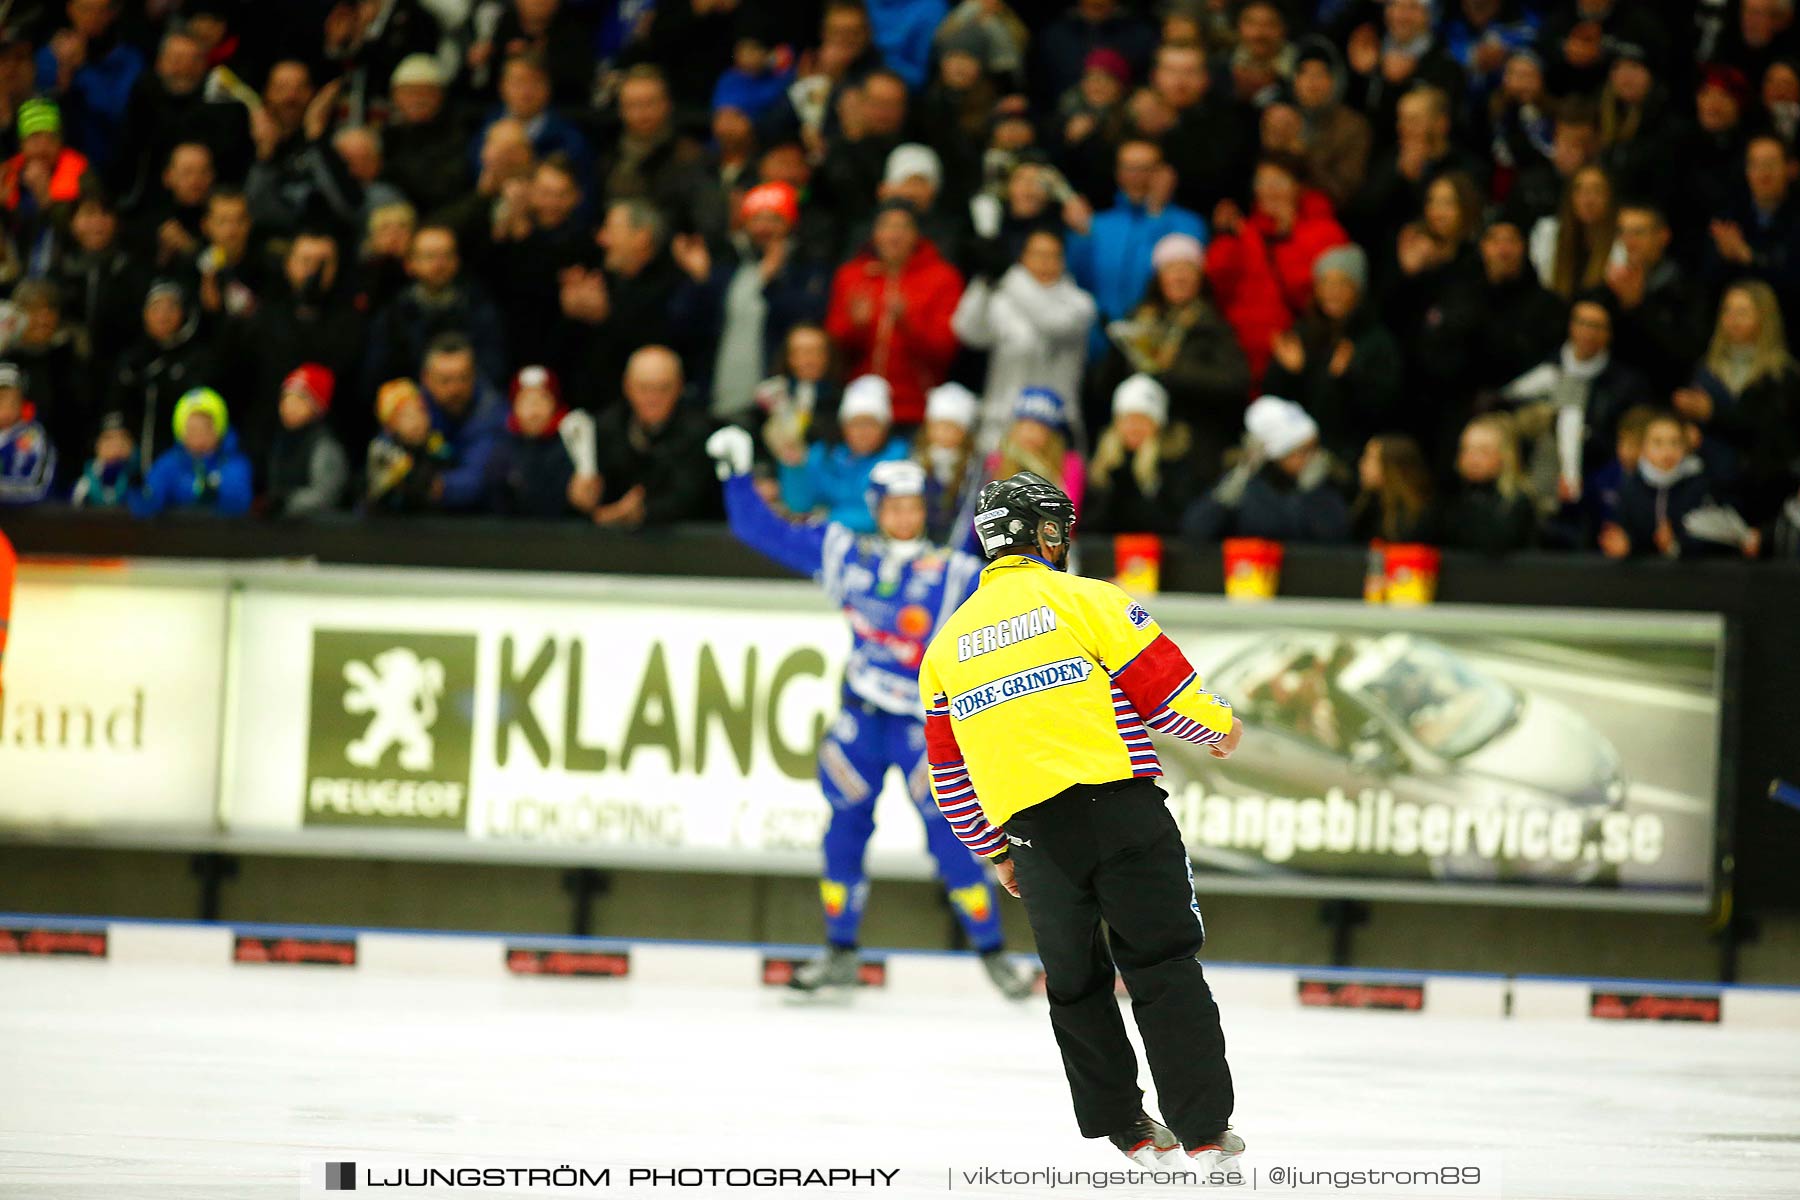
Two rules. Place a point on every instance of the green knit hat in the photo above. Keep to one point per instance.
(39, 116)
(201, 400)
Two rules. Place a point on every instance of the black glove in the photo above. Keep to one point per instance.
(988, 259)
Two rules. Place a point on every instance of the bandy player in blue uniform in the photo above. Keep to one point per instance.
(896, 588)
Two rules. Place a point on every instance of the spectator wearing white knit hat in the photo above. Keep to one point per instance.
(1034, 323)
(833, 481)
(945, 447)
(1286, 488)
(914, 172)
(1141, 478)
(1178, 338)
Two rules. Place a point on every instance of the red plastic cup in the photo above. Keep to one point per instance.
(1137, 563)
(1252, 568)
(1412, 573)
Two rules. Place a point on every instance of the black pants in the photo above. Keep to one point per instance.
(1112, 853)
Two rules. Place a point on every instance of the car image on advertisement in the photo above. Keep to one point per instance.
(1401, 715)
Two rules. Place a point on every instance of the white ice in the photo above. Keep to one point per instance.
(141, 1081)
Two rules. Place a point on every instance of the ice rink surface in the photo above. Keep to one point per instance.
(143, 1081)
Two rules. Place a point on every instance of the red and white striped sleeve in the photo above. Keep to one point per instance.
(1165, 689)
(950, 783)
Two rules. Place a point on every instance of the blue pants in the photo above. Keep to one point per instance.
(854, 758)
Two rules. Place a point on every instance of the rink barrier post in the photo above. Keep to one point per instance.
(27, 939)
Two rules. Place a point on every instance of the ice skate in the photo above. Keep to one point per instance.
(836, 968)
(1220, 1152)
(1013, 983)
(1146, 1141)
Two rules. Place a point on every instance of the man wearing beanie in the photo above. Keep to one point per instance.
(59, 169)
(204, 471)
(1339, 361)
(1285, 489)
(915, 173)
(424, 139)
(736, 309)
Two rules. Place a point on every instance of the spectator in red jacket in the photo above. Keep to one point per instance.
(890, 311)
(1260, 266)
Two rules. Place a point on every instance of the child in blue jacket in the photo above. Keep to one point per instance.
(834, 479)
(205, 471)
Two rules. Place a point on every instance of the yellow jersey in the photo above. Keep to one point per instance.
(1043, 680)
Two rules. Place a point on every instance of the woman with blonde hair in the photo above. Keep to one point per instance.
(1490, 509)
(1746, 399)
(1572, 250)
(1038, 441)
(1140, 479)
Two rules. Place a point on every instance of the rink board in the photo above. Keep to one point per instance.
(622, 962)
(655, 724)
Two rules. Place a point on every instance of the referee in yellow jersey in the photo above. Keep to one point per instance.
(1040, 694)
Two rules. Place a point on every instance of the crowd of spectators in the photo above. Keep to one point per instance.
(1487, 274)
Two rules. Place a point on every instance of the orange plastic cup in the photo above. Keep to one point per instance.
(1137, 563)
(1412, 573)
(1252, 568)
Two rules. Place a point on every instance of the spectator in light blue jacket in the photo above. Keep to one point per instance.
(90, 71)
(833, 479)
(903, 30)
(206, 471)
(1110, 259)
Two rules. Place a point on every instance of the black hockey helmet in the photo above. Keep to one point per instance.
(1014, 514)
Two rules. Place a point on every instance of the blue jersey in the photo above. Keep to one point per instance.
(27, 463)
(895, 598)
